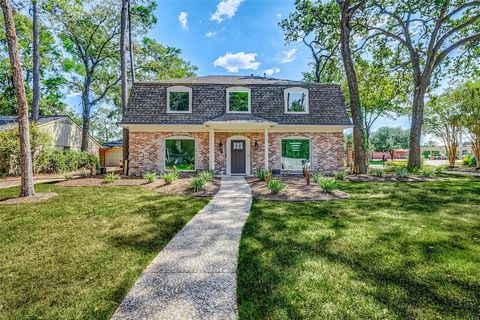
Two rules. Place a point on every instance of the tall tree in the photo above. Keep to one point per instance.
(36, 60)
(468, 97)
(429, 34)
(347, 12)
(389, 140)
(27, 188)
(443, 118)
(123, 73)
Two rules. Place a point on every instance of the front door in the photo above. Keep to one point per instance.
(238, 157)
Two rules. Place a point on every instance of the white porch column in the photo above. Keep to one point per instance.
(266, 148)
(211, 150)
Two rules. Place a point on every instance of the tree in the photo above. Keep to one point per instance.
(388, 139)
(443, 118)
(36, 61)
(104, 124)
(426, 35)
(26, 188)
(123, 70)
(468, 96)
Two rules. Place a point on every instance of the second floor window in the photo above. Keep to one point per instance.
(179, 99)
(296, 100)
(238, 99)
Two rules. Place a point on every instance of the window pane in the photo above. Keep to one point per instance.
(293, 152)
(180, 153)
(297, 102)
(179, 101)
(238, 101)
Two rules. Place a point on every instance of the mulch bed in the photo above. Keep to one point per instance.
(296, 190)
(39, 196)
(181, 186)
(390, 178)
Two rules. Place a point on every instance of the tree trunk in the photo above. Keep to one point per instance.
(123, 73)
(476, 150)
(359, 161)
(414, 154)
(27, 188)
(36, 61)
(85, 115)
(130, 42)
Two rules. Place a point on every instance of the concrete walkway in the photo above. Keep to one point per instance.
(195, 275)
(14, 182)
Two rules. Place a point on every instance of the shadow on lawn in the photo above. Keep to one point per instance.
(438, 293)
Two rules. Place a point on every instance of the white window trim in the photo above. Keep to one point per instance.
(179, 89)
(179, 138)
(239, 89)
(296, 138)
(296, 90)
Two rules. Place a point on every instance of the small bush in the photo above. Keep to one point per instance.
(197, 183)
(440, 169)
(469, 160)
(426, 172)
(328, 184)
(111, 177)
(263, 174)
(169, 177)
(377, 172)
(317, 176)
(340, 175)
(68, 176)
(392, 166)
(275, 186)
(402, 172)
(206, 175)
(84, 174)
(150, 177)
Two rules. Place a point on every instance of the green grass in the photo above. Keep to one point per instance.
(75, 256)
(390, 251)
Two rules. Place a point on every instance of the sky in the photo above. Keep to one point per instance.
(235, 37)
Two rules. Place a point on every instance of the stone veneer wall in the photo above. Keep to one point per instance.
(147, 151)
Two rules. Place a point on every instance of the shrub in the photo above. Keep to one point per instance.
(68, 176)
(317, 176)
(340, 175)
(111, 177)
(402, 172)
(469, 160)
(426, 171)
(263, 174)
(84, 174)
(440, 169)
(377, 172)
(275, 186)
(392, 166)
(197, 183)
(328, 184)
(169, 177)
(206, 175)
(150, 177)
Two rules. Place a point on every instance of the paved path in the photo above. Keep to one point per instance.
(195, 275)
(8, 183)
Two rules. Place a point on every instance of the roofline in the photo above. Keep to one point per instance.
(180, 82)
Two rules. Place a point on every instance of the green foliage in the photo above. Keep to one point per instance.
(58, 161)
(391, 166)
(150, 177)
(440, 169)
(206, 175)
(328, 184)
(111, 177)
(317, 176)
(197, 183)
(377, 172)
(238, 101)
(263, 174)
(340, 175)
(388, 139)
(170, 176)
(426, 171)
(469, 160)
(68, 176)
(402, 172)
(275, 186)
(180, 153)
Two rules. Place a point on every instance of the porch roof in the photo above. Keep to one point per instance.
(239, 121)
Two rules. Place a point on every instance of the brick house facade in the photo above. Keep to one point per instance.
(234, 125)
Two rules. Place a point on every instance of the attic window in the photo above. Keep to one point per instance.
(296, 100)
(238, 100)
(179, 99)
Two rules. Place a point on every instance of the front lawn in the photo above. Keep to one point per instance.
(75, 256)
(390, 251)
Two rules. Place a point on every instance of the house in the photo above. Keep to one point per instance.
(64, 133)
(111, 154)
(234, 125)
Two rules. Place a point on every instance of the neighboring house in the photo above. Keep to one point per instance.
(235, 125)
(64, 133)
(111, 154)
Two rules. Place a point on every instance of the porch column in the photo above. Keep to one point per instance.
(211, 150)
(266, 148)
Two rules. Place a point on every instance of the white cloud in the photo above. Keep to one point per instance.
(271, 71)
(233, 62)
(225, 9)
(279, 15)
(182, 18)
(288, 56)
(211, 34)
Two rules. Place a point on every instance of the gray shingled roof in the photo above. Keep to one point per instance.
(9, 122)
(114, 143)
(148, 101)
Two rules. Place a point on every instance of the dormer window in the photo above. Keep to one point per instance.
(179, 99)
(238, 100)
(296, 100)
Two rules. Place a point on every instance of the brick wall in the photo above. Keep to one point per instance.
(147, 151)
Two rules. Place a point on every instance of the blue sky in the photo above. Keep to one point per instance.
(235, 37)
